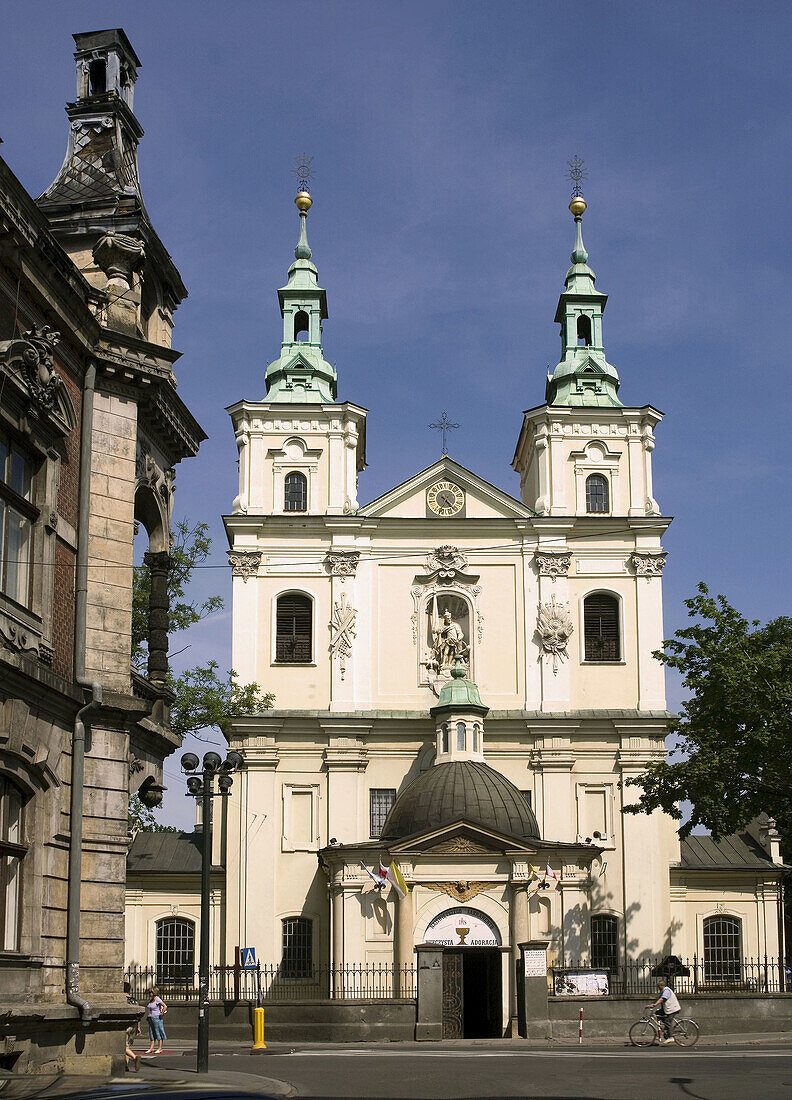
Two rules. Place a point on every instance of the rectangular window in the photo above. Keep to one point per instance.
(297, 961)
(17, 516)
(380, 801)
(12, 852)
(604, 942)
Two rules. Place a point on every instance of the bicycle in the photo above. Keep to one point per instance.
(648, 1030)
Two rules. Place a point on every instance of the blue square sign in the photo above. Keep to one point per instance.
(248, 958)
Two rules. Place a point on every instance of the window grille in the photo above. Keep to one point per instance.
(294, 620)
(17, 516)
(597, 493)
(722, 949)
(601, 627)
(12, 853)
(380, 801)
(297, 959)
(175, 949)
(295, 492)
(604, 942)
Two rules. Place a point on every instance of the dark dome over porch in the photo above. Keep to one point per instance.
(460, 789)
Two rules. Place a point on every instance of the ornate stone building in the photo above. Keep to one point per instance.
(463, 682)
(91, 430)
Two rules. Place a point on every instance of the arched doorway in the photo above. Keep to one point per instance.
(472, 973)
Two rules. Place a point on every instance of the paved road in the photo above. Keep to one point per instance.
(622, 1074)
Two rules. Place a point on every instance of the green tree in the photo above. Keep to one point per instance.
(732, 760)
(204, 698)
(141, 819)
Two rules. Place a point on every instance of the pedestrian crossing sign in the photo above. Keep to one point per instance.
(248, 958)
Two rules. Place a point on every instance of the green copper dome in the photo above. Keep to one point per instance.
(459, 693)
(460, 790)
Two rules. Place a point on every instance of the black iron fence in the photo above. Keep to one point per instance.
(270, 982)
(686, 976)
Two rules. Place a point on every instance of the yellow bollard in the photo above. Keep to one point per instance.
(258, 1029)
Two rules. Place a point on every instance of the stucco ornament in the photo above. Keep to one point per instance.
(342, 563)
(244, 563)
(554, 626)
(446, 561)
(552, 563)
(647, 564)
(31, 357)
(342, 631)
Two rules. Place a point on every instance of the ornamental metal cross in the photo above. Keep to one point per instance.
(445, 426)
(576, 174)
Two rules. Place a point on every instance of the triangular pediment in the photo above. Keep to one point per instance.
(461, 838)
(480, 499)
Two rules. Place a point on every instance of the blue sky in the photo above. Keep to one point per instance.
(440, 228)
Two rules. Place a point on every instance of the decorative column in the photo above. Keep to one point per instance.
(403, 946)
(648, 566)
(337, 904)
(519, 932)
(554, 625)
(159, 565)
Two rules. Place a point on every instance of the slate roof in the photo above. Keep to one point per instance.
(460, 789)
(740, 852)
(166, 854)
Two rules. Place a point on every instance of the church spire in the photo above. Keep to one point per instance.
(301, 374)
(583, 376)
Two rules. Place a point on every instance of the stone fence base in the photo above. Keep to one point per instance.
(716, 1014)
(355, 1021)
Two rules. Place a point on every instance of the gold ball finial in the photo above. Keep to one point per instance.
(577, 206)
(303, 202)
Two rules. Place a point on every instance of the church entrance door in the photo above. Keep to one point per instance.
(472, 993)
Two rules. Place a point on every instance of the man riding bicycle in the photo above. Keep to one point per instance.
(668, 1008)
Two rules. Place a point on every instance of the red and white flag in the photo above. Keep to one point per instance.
(551, 873)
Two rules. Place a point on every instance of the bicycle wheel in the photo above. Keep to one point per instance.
(643, 1033)
(685, 1033)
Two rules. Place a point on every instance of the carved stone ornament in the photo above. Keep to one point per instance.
(244, 563)
(17, 638)
(459, 891)
(554, 627)
(446, 561)
(553, 563)
(458, 845)
(118, 255)
(342, 631)
(31, 357)
(342, 563)
(647, 563)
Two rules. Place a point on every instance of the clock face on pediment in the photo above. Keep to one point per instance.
(444, 498)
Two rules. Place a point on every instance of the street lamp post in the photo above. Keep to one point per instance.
(200, 784)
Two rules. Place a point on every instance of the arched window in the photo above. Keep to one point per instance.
(460, 736)
(476, 737)
(597, 496)
(294, 628)
(722, 949)
(584, 331)
(297, 957)
(12, 852)
(295, 492)
(601, 627)
(301, 325)
(604, 942)
(175, 949)
(445, 739)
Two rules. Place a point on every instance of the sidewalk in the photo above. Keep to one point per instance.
(184, 1047)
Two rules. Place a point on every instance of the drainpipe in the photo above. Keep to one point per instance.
(78, 738)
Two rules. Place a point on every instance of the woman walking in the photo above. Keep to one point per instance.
(155, 1010)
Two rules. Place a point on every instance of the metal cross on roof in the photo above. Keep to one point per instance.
(445, 426)
(576, 174)
(303, 170)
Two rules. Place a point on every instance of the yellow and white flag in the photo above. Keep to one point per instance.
(396, 879)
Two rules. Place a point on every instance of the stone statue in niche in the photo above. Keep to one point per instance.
(449, 623)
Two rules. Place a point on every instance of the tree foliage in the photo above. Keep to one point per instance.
(733, 759)
(204, 698)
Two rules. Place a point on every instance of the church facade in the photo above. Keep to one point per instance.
(464, 688)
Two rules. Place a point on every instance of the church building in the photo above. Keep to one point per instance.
(464, 686)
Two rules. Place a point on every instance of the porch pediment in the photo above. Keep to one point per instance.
(461, 838)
